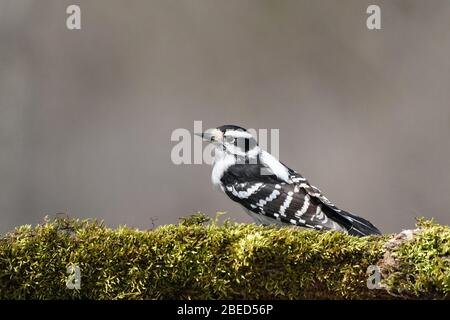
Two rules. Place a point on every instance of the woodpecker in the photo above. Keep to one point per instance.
(269, 191)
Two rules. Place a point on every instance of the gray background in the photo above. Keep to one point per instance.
(86, 116)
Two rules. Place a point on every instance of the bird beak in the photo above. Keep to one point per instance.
(207, 136)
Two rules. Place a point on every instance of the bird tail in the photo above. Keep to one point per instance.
(353, 225)
(358, 226)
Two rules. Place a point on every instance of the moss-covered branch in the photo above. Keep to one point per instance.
(198, 260)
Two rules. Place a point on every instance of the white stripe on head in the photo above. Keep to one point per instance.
(238, 134)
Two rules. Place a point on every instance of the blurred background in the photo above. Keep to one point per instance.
(86, 116)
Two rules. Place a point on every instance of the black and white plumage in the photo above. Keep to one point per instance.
(271, 192)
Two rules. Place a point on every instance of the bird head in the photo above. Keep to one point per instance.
(232, 140)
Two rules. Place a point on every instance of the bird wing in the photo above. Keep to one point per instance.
(297, 202)
(353, 224)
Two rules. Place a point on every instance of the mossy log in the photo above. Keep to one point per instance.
(198, 259)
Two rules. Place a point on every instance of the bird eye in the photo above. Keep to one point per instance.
(229, 139)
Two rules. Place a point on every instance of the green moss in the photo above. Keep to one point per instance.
(420, 266)
(199, 259)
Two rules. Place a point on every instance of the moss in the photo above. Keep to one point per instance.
(199, 259)
(417, 262)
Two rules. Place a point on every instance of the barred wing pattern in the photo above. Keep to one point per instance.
(297, 203)
(294, 202)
